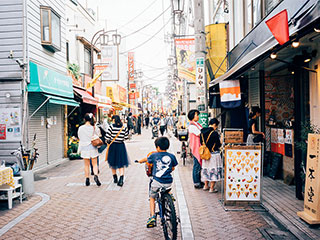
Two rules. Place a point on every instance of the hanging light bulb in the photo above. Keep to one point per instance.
(295, 44)
(273, 56)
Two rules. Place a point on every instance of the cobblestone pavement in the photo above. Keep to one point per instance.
(108, 212)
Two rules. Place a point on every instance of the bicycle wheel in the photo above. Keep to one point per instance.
(169, 221)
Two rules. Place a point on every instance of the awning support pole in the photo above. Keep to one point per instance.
(39, 107)
(72, 111)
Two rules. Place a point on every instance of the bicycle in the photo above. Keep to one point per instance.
(167, 213)
(183, 137)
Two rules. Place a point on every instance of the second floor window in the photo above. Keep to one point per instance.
(87, 61)
(50, 29)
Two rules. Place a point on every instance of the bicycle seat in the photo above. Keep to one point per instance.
(165, 190)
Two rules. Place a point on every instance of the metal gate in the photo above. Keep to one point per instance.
(254, 92)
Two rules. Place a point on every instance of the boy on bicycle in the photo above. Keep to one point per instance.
(163, 165)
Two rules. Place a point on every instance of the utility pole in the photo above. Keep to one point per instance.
(200, 52)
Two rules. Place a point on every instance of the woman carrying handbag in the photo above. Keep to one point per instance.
(116, 154)
(211, 171)
(87, 135)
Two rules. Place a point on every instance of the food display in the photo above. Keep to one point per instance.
(242, 174)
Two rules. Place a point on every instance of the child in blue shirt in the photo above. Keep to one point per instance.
(163, 165)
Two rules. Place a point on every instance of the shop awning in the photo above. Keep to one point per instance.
(47, 81)
(61, 101)
(86, 97)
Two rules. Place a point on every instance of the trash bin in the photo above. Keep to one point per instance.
(27, 182)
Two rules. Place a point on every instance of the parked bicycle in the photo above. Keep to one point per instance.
(183, 137)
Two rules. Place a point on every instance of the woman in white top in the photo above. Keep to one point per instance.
(87, 150)
(163, 123)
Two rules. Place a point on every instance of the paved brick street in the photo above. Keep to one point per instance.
(78, 212)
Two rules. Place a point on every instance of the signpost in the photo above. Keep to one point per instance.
(311, 212)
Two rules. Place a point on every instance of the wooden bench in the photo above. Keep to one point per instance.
(12, 193)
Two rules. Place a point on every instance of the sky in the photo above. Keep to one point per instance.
(130, 15)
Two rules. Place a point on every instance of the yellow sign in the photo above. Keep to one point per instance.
(216, 42)
(110, 93)
(94, 80)
(311, 212)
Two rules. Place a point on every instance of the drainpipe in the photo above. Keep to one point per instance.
(25, 75)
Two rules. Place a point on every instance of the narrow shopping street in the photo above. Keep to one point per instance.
(74, 211)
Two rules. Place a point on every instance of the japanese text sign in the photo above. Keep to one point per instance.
(131, 66)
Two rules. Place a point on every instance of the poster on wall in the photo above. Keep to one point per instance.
(109, 63)
(10, 124)
(243, 173)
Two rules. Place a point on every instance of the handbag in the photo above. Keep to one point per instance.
(109, 144)
(204, 150)
(95, 140)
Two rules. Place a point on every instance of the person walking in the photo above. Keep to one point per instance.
(117, 155)
(194, 143)
(211, 169)
(139, 123)
(254, 135)
(130, 122)
(87, 151)
(163, 125)
(147, 120)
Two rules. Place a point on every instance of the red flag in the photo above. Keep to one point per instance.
(278, 25)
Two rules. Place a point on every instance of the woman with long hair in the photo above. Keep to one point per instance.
(255, 136)
(117, 156)
(87, 150)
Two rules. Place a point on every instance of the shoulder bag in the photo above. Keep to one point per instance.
(109, 144)
(204, 151)
(95, 140)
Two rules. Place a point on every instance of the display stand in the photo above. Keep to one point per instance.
(242, 186)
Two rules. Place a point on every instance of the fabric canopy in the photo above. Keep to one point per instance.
(61, 101)
(86, 97)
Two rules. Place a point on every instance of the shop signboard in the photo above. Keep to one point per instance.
(10, 124)
(311, 212)
(122, 94)
(110, 93)
(243, 173)
(109, 63)
(230, 93)
(131, 66)
(203, 119)
(233, 136)
(132, 96)
(185, 52)
(132, 85)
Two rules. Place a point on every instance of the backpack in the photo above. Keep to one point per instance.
(204, 150)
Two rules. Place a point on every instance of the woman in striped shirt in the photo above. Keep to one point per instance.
(117, 156)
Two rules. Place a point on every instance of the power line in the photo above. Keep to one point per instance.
(146, 24)
(147, 39)
(138, 14)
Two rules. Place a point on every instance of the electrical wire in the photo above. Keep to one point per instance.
(138, 14)
(158, 74)
(148, 24)
(147, 39)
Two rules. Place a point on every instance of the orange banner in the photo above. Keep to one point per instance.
(131, 66)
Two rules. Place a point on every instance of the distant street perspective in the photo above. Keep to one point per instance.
(160, 119)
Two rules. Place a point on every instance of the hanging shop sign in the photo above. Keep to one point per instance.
(232, 136)
(200, 82)
(203, 119)
(110, 59)
(242, 173)
(311, 212)
(132, 85)
(185, 52)
(110, 93)
(94, 80)
(10, 124)
(230, 93)
(131, 66)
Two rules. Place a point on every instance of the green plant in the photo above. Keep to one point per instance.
(74, 70)
(306, 128)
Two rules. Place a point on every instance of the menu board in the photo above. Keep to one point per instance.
(10, 124)
(243, 173)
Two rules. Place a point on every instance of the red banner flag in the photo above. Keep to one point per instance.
(278, 25)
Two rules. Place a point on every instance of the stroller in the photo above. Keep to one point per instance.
(155, 132)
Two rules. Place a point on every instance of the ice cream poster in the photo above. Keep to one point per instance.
(243, 175)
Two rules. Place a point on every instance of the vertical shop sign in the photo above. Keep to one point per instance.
(185, 51)
(110, 62)
(243, 173)
(3, 132)
(131, 66)
(200, 82)
(311, 212)
(203, 119)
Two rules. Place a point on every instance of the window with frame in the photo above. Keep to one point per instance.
(50, 29)
(87, 61)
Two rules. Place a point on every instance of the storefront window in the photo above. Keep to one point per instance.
(249, 15)
(256, 9)
(269, 5)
